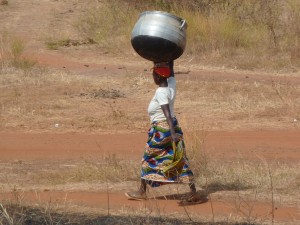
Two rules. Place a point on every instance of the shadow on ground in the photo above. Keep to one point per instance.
(202, 196)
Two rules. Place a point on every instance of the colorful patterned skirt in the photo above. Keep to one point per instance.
(160, 157)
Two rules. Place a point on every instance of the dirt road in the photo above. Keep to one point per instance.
(255, 145)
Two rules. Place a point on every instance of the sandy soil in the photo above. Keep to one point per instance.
(50, 146)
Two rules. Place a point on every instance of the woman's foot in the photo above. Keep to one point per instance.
(136, 195)
(190, 197)
(193, 198)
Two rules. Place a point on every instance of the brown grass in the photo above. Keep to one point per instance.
(3, 2)
(250, 35)
(36, 98)
(13, 214)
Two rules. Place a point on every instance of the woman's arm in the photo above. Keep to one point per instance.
(166, 109)
(171, 66)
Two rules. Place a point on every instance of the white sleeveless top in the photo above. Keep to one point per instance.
(163, 96)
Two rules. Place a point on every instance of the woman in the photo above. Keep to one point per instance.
(164, 160)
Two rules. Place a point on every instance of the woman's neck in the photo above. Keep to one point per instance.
(163, 83)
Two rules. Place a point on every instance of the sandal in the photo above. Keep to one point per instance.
(136, 195)
(192, 197)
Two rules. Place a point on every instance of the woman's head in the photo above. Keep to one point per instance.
(161, 71)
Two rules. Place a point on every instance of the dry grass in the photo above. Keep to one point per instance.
(39, 99)
(3, 2)
(13, 214)
(109, 169)
(239, 102)
(11, 50)
(109, 24)
(249, 34)
(241, 175)
(36, 98)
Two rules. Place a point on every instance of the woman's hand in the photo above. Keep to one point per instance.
(175, 138)
(171, 66)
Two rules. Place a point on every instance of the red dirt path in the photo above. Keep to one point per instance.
(255, 145)
(269, 145)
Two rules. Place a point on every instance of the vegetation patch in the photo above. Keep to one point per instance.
(27, 215)
(249, 34)
(12, 54)
(3, 2)
(101, 93)
(56, 44)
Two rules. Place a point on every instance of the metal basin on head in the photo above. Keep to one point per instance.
(159, 36)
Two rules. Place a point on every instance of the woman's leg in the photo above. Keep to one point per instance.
(192, 196)
(143, 187)
(193, 188)
(140, 193)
